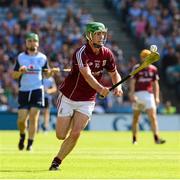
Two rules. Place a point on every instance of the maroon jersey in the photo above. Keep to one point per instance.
(145, 78)
(75, 86)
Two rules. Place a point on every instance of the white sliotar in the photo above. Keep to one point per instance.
(153, 48)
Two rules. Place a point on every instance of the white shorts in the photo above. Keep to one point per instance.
(66, 107)
(145, 100)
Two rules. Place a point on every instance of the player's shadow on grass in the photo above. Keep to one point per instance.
(34, 171)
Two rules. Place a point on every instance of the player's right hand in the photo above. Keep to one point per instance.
(104, 92)
(23, 69)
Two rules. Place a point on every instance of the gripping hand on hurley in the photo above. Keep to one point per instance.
(23, 69)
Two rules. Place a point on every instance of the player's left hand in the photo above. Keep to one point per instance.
(118, 91)
(23, 69)
(157, 101)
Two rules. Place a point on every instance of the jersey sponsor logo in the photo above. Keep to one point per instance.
(31, 67)
(31, 72)
(144, 80)
(97, 73)
(146, 73)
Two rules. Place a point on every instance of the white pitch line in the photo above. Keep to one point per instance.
(92, 179)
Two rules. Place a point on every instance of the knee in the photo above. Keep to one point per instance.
(21, 122)
(60, 136)
(73, 135)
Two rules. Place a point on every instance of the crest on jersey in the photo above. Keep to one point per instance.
(31, 66)
(104, 62)
(90, 63)
(97, 63)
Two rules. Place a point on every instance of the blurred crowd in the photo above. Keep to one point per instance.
(154, 22)
(60, 26)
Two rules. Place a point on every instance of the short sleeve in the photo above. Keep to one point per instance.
(46, 65)
(110, 64)
(81, 57)
(17, 65)
(133, 69)
(156, 75)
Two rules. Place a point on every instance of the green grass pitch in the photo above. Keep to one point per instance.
(98, 155)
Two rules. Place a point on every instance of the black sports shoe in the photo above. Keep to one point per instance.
(21, 144)
(29, 145)
(54, 167)
(134, 142)
(160, 141)
(29, 148)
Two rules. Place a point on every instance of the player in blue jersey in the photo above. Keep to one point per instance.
(50, 89)
(29, 69)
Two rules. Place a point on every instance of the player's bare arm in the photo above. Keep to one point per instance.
(156, 91)
(115, 77)
(86, 72)
(131, 90)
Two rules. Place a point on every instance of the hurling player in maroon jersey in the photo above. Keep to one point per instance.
(76, 100)
(144, 94)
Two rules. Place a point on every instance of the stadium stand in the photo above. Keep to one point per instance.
(60, 24)
(154, 22)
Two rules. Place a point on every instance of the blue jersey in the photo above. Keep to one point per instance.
(33, 79)
(48, 83)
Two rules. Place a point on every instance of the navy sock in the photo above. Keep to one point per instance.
(156, 137)
(134, 138)
(22, 136)
(57, 161)
(30, 142)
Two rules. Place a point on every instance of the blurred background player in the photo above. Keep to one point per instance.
(28, 70)
(144, 94)
(77, 93)
(168, 108)
(50, 89)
